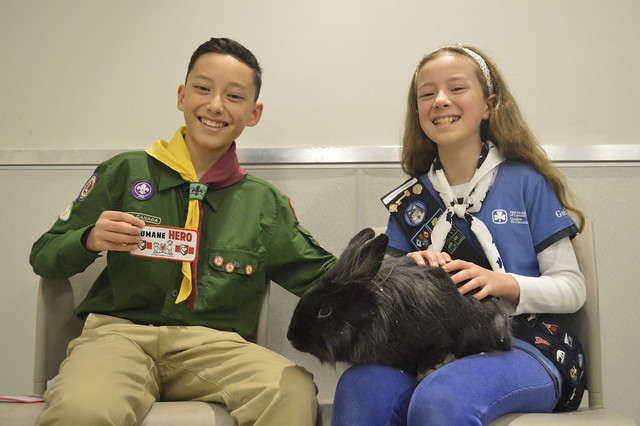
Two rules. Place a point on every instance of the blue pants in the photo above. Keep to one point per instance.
(470, 391)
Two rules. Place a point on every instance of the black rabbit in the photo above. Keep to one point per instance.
(372, 309)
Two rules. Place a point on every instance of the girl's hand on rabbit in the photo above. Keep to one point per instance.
(431, 258)
(489, 282)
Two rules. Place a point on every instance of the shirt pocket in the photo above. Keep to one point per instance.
(232, 278)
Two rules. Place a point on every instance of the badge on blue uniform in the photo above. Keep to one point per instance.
(415, 210)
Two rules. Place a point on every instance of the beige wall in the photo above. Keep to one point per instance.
(95, 74)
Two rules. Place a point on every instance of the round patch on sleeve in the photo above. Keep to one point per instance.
(88, 187)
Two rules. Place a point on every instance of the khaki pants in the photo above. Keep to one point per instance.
(116, 370)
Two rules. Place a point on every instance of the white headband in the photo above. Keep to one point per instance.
(483, 67)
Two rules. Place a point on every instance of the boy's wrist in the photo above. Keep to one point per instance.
(85, 237)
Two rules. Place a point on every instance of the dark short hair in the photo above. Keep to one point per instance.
(226, 46)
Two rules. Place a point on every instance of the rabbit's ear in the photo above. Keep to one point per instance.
(372, 253)
(359, 239)
(361, 260)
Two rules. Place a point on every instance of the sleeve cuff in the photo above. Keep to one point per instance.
(74, 254)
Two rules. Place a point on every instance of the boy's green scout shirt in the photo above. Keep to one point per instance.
(249, 233)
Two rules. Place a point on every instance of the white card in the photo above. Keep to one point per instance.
(165, 242)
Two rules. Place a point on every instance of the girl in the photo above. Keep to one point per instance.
(491, 208)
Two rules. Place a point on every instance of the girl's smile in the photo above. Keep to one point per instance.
(445, 120)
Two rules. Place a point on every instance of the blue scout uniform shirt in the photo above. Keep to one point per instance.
(249, 233)
(521, 211)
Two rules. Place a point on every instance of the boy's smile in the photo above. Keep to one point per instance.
(212, 123)
(218, 103)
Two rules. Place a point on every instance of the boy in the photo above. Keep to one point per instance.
(167, 317)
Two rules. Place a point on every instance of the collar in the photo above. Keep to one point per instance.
(225, 172)
(484, 152)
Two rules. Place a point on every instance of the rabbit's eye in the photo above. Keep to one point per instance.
(324, 312)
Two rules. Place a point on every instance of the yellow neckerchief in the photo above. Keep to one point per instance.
(175, 154)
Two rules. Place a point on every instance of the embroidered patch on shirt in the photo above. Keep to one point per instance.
(165, 242)
(88, 187)
(147, 218)
(142, 190)
(66, 213)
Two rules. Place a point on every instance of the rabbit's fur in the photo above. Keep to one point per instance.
(372, 309)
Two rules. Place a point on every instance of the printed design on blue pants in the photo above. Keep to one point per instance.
(88, 187)
(142, 190)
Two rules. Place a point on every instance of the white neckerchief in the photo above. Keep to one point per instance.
(473, 196)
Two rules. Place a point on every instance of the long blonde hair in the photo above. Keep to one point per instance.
(506, 128)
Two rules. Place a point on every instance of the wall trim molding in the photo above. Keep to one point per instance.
(323, 156)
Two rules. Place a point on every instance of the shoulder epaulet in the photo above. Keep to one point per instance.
(394, 198)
